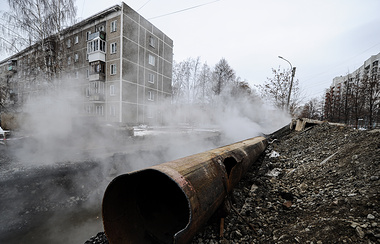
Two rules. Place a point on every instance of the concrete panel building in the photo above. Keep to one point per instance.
(120, 62)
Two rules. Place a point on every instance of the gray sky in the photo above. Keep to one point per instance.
(322, 38)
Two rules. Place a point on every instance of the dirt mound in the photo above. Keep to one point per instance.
(317, 186)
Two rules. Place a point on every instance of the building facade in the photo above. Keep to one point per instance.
(120, 62)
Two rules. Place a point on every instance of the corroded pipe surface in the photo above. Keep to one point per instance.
(170, 202)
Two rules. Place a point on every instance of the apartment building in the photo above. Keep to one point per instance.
(120, 62)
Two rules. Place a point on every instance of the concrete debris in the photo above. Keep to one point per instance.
(274, 172)
(334, 202)
(274, 154)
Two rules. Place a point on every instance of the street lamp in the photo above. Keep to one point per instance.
(293, 69)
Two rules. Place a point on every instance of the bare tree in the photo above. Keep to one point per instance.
(191, 81)
(183, 78)
(37, 24)
(196, 83)
(223, 74)
(240, 88)
(371, 88)
(276, 90)
(357, 99)
(312, 109)
(203, 91)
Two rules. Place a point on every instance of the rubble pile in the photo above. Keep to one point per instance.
(321, 185)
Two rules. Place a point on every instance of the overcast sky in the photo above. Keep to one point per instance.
(322, 38)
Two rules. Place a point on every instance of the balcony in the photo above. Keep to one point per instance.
(99, 34)
(96, 56)
(97, 77)
(97, 97)
(96, 47)
(97, 71)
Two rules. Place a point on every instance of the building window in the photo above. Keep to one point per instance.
(68, 43)
(113, 69)
(76, 74)
(113, 25)
(152, 42)
(113, 47)
(88, 91)
(97, 67)
(76, 57)
(68, 60)
(150, 96)
(151, 78)
(152, 60)
(112, 90)
(76, 40)
(88, 35)
(96, 45)
(101, 28)
(97, 87)
(99, 109)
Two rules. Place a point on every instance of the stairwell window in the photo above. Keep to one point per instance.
(150, 96)
(113, 26)
(152, 60)
(152, 41)
(113, 47)
(151, 78)
(113, 69)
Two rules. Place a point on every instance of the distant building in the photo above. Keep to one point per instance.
(338, 98)
(120, 61)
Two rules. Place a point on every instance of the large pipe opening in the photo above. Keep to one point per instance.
(229, 164)
(149, 205)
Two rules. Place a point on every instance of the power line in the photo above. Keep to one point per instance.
(144, 5)
(341, 63)
(332, 68)
(182, 10)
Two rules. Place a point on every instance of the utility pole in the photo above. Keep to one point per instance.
(293, 69)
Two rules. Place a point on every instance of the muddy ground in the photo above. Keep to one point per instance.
(318, 186)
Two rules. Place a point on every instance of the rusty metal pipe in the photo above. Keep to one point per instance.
(170, 202)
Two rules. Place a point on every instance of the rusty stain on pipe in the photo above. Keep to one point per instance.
(170, 202)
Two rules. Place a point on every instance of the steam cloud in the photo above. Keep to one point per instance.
(55, 139)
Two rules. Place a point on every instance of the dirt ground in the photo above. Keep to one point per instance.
(321, 185)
